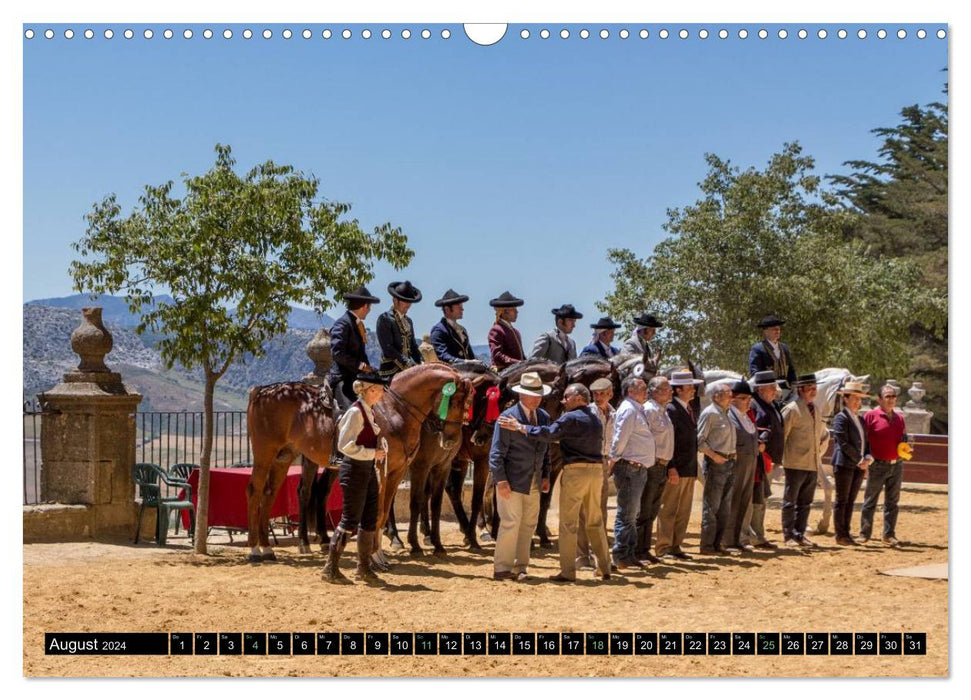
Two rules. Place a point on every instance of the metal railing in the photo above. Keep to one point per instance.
(169, 437)
(33, 462)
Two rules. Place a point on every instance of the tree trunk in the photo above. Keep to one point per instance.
(202, 500)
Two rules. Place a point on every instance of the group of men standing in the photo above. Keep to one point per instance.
(649, 445)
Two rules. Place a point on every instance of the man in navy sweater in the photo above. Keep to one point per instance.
(580, 434)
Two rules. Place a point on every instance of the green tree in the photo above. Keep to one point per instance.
(772, 240)
(903, 199)
(234, 251)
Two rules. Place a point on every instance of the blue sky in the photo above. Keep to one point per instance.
(513, 166)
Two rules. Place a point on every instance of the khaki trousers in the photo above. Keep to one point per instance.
(584, 551)
(672, 520)
(518, 516)
(581, 487)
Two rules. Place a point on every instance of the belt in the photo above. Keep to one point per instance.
(726, 456)
(636, 465)
(584, 464)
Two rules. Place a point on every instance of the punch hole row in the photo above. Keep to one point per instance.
(386, 34)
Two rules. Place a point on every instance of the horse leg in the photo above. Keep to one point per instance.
(254, 503)
(454, 485)
(424, 527)
(438, 491)
(305, 494)
(480, 472)
(322, 487)
(386, 496)
(416, 500)
(277, 477)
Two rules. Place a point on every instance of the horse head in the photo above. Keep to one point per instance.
(483, 379)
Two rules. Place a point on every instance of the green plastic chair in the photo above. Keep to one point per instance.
(147, 478)
(181, 471)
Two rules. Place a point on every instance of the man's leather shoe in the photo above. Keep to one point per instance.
(892, 541)
(746, 548)
(523, 576)
(862, 540)
(806, 542)
(560, 578)
(845, 541)
(684, 556)
(649, 558)
(503, 576)
(766, 545)
(709, 550)
(792, 542)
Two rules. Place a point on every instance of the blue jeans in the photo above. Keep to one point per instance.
(881, 474)
(630, 483)
(716, 501)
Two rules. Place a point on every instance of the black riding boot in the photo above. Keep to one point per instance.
(332, 569)
(365, 541)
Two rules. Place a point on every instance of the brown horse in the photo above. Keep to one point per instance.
(411, 401)
(285, 420)
(440, 478)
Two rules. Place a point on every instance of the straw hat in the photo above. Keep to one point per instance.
(854, 389)
(531, 384)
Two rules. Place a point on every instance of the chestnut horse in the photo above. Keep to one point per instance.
(285, 420)
(476, 441)
(408, 404)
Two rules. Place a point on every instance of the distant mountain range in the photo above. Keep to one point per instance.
(48, 324)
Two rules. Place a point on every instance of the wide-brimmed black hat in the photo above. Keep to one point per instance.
(361, 294)
(566, 311)
(805, 380)
(770, 321)
(604, 323)
(764, 378)
(405, 291)
(371, 377)
(741, 387)
(451, 297)
(647, 321)
(505, 301)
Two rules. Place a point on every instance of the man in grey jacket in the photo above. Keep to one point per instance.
(557, 345)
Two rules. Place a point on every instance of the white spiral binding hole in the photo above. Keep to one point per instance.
(544, 33)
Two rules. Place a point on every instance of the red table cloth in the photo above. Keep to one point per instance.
(227, 497)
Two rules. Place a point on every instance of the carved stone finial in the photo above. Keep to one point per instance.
(91, 341)
(427, 350)
(917, 393)
(318, 350)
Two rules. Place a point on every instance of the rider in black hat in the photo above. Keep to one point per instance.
(396, 332)
(772, 353)
(505, 341)
(603, 335)
(448, 336)
(645, 328)
(557, 345)
(348, 338)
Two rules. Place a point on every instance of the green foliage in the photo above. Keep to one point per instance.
(903, 200)
(234, 252)
(771, 240)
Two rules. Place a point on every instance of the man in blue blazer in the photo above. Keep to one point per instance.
(448, 336)
(520, 469)
(603, 336)
(772, 353)
(851, 458)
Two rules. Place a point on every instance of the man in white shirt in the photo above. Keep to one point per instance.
(660, 391)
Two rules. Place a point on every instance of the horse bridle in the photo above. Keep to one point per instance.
(417, 414)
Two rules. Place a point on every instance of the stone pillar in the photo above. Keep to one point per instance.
(88, 435)
(318, 350)
(917, 418)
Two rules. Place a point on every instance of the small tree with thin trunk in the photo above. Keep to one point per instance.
(234, 252)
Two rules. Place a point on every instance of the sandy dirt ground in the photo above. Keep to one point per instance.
(95, 587)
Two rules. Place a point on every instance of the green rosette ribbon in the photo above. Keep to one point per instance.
(447, 392)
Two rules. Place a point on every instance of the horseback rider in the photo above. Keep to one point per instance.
(557, 345)
(358, 443)
(603, 336)
(348, 339)
(505, 342)
(396, 332)
(772, 353)
(448, 336)
(645, 328)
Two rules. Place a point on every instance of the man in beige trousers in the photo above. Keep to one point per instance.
(580, 434)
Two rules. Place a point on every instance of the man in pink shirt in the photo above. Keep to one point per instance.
(884, 432)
